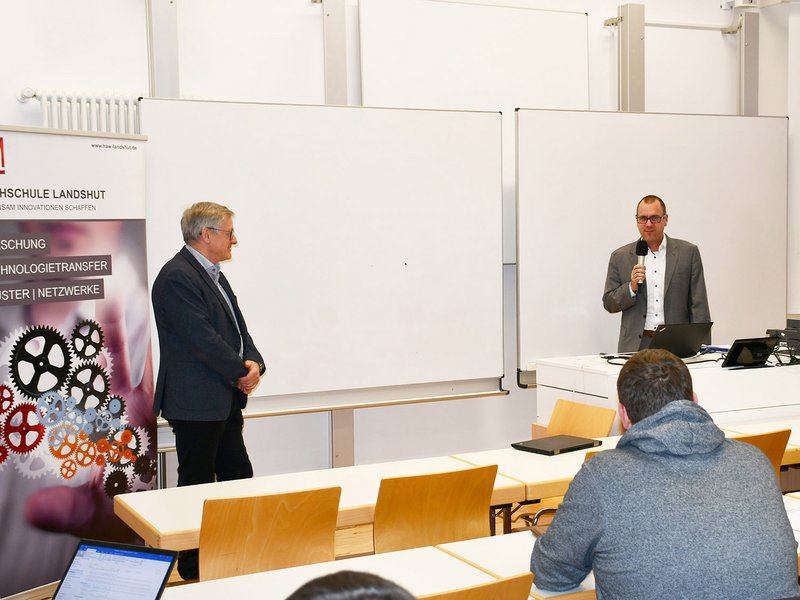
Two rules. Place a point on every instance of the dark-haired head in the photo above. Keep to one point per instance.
(350, 585)
(650, 380)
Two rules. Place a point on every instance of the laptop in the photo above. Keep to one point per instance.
(107, 569)
(682, 339)
(750, 352)
(556, 444)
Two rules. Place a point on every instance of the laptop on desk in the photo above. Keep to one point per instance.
(107, 569)
(682, 339)
(555, 444)
(750, 352)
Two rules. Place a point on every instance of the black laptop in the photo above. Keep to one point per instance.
(110, 570)
(556, 444)
(682, 339)
(750, 352)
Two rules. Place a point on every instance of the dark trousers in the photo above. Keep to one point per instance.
(209, 451)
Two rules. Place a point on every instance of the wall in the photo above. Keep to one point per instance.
(89, 45)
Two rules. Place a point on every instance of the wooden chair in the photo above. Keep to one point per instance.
(569, 418)
(261, 533)
(773, 444)
(426, 510)
(576, 418)
(517, 587)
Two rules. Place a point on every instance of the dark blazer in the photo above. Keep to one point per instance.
(199, 360)
(685, 299)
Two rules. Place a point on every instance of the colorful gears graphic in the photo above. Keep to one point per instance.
(62, 440)
(89, 385)
(116, 482)
(40, 361)
(85, 453)
(87, 339)
(23, 428)
(68, 469)
(3, 454)
(6, 398)
(52, 406)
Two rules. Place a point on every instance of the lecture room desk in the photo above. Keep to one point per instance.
(170, 518)
(421, 571)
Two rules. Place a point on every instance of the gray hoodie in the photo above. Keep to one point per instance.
(676, 511)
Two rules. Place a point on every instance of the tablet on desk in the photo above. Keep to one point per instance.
(556, 444)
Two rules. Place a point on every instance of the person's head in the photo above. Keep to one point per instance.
(350, 585)
(208, 228)
(650, 380)
(650, 208)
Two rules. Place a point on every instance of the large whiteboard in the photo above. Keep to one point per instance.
(580, 175)
(474, 55)
(369, 239)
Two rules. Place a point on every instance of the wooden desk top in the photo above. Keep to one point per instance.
(170, 518)
(543, 476)
(421, 571)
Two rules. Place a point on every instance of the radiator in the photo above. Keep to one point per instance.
(107, 114)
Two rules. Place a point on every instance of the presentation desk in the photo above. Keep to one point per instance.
(729, 395)
(421, 571)
(170, 518)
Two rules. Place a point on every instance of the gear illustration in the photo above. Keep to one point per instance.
(145, 468)
(89, 385)
(115, 482)
(62, 441)
(40, 361)
(3, 455)
(68, 469)
(87, 339)
(23, 428)
(51, 406)
(33, 465)
(6, 398)
(85, 453)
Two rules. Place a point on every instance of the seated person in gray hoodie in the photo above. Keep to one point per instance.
(676, 510)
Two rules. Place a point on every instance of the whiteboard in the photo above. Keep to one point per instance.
(723, 179)
(369, 239)
(434, 54)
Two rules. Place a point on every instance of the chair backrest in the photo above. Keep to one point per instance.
(583, 420)
(773, 444)
(517, 587)
(261, 533)
(426, 510)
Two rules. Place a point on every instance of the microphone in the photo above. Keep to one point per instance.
(641, 252)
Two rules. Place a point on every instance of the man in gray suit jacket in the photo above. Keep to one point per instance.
(208, 362)
(668, 288)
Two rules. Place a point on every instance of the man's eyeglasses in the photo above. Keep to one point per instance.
(655, 219)
(230, 231)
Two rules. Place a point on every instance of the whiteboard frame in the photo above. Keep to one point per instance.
(463, 273)
(597, 165)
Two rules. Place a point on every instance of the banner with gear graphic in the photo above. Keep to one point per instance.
(76, 384)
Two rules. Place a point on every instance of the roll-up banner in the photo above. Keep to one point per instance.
(76, 383)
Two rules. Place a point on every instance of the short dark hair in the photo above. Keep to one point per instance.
(650, 380)
(350, 585)
(649, 199)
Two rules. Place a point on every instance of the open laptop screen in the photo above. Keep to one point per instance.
(751, 352)
(131, 572)
(682, 339)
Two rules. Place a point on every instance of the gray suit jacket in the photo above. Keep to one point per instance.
(685, 299)
(199, 360)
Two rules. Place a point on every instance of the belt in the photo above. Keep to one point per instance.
(648, 333)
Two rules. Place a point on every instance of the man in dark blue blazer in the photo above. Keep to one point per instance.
(208, 362)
